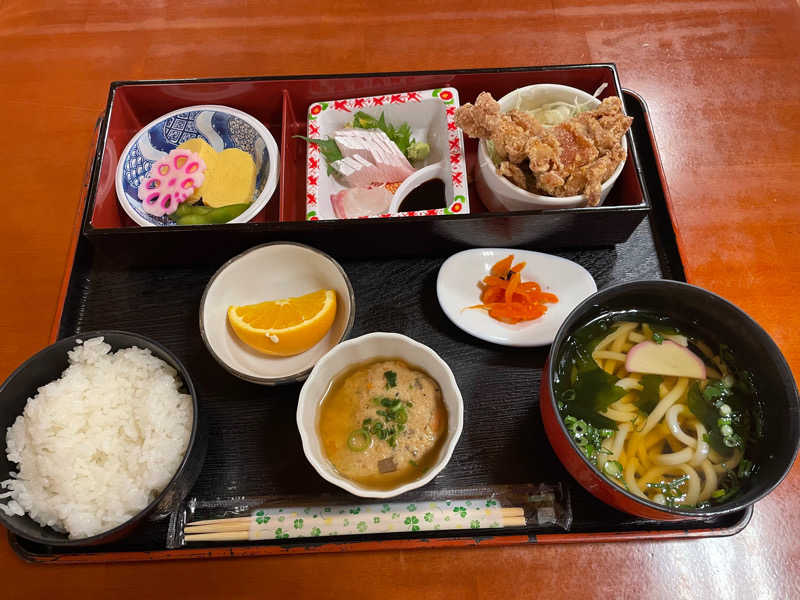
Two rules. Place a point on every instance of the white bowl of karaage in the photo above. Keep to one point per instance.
(546, 146)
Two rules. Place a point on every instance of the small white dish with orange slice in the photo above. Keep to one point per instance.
(269, 314)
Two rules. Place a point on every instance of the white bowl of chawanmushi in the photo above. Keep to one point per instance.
(380, 415)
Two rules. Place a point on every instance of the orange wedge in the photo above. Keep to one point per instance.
(285, 327)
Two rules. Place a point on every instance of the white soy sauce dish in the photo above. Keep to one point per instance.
(412, 182)
(457, 287)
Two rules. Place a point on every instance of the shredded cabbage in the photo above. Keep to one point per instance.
(549, 115)
(555, 113)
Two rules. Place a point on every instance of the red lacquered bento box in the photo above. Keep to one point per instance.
(282, 105)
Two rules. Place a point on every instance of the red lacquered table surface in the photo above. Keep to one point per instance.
(723, 83)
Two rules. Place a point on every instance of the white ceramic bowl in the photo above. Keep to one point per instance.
(269, 272)
(362, 349)
(222, 127)
(498, 193)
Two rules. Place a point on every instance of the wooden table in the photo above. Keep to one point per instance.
(723, 82)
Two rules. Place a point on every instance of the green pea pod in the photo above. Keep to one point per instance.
(226, 213)
(192, 220)
(198, 209)
(185, 209)
(212, 216)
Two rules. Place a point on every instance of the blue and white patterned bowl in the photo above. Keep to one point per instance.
(222, 127)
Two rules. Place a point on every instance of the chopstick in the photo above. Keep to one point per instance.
(431, 517)
(243, 523)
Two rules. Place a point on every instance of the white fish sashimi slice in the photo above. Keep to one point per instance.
(361, 202)
(355, 171)
(351, 143)
(395, 159)
(369, 172)
(348, 168)
(375, 146)
(381, 163)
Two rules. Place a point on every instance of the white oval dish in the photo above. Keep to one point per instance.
(498, 193)
(269, 272)
(457, 288)
(359, 350)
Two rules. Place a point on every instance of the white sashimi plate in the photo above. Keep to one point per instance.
(431, 116)
(457, 288)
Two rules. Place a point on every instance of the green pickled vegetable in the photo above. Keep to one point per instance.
(206, 215)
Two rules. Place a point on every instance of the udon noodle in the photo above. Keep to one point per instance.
(673, 440)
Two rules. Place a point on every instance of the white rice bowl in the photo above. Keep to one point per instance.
(97, 445)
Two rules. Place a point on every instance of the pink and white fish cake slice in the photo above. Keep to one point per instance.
(171, 181)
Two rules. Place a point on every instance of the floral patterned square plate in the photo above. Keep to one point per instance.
(430, 116)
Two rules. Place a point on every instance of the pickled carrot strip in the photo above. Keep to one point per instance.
(501, 267)
(513, 284)
(510, 300)
(492, 294)
(495, 281)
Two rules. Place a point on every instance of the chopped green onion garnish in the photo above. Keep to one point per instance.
(391, 379)
(359, 440)
(613, 469)
(718, 493)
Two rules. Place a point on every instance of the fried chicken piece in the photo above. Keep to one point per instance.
(511, 136)
(606, 124)
(589, 178)
(508, 132)
(480, 120)
(514, 173)
(574, 157)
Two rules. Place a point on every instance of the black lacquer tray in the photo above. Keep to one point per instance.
(254, 448)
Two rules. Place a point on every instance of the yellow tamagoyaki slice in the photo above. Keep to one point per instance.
(232, 181)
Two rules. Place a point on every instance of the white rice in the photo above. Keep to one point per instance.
(99, 444)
